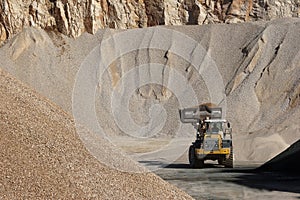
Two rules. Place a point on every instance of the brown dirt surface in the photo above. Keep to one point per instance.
(42, 157)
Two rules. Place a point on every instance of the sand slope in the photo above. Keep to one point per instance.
(285, 162)
(42, 157)
(258, 63)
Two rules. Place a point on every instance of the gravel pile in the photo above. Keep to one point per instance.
(286, 162)
(41, 156)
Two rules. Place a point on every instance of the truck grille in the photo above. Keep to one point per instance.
(211, 144)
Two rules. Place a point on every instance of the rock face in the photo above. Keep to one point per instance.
(72, 17)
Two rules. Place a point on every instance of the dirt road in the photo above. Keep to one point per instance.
(215, 182)
(242, 182)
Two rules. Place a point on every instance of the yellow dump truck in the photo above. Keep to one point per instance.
(213, 135)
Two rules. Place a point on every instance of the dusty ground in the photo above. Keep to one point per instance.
(245, 181)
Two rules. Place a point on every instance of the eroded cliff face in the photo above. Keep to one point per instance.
(73, 17)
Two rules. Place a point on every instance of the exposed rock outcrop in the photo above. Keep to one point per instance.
(72, 17)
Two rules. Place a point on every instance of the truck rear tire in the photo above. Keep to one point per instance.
(194, 161)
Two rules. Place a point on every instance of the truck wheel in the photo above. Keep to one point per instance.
(221, 161)
(194, 161)
(229, 161)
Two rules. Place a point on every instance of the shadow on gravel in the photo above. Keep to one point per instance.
(178, 166)
(282, 173)
(272, 181)
(175, 165)
(187, 166)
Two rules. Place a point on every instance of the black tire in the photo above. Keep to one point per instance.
(221, 161)
(228, 163)
(194, 161)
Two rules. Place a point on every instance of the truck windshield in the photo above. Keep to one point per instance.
(214, 127)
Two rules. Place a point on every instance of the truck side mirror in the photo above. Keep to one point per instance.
(228, 125)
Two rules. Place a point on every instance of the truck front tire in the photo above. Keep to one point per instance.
(194, 161)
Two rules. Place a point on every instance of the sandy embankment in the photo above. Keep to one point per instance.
(43, 157)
